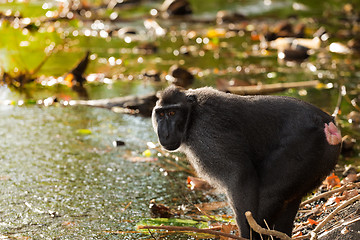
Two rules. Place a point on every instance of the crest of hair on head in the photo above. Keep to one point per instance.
(172, 95)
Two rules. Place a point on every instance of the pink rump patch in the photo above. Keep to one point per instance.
(332, 133)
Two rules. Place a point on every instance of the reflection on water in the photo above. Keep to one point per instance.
(57, 183)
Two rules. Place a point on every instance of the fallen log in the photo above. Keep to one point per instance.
(270, 88)
(142, 105)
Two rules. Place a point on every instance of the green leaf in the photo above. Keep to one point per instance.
(171, 222)
(84, 131)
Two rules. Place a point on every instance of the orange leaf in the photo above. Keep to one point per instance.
(255, 37)
(68, 79)
(298, 234)
(313, 222)
(332, 181)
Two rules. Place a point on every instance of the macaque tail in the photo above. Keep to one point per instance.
(332, 133)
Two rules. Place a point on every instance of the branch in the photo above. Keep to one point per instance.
(331, 215)
(329, 193)
(192, 229)
(144, 104)
(257, 228)
(307, 236)
(342, 90)
(353, 103)
(41, 64)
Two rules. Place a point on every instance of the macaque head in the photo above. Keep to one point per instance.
(171, 116)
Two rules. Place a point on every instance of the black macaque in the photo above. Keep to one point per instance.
(265, 152)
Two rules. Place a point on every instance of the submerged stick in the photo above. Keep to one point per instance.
(139, 104)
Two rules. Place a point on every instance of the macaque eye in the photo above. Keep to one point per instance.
(171, 113)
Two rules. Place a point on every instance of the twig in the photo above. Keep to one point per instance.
(307, 236)
(201, 211)
(342, 90)
(331, 215)
(192, 229)
(127, 205)
(353, 103)
(329, 193)
(41, 64)
(267, 225)
(257, 228)
(151, 234)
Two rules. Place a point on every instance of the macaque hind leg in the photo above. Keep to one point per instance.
(284, 220)
(288, 173)
(243, 197)
(277, 213)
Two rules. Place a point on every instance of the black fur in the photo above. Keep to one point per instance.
(265, 152)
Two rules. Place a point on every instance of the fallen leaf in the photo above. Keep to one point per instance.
(332, 200)
(158, 210)
(211, 205)
(332, 181)
(313, 222)
(147, 153)
(68, 224)
(350, 178)
(68, 79)
(213, 33)
(347, 194)
(195, 183)
(229, 228)
(83, 131)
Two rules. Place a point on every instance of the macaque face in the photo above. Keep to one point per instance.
(170, 125)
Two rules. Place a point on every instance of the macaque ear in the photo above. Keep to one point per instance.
(191, 98)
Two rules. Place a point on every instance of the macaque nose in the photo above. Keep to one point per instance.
(164, 131)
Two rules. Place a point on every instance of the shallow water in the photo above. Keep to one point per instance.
(65, 184)
(57, 183)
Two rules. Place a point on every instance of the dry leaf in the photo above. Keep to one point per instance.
(195, 183)
(229, 228)
(347, 194)
(313, 222)
(211, 206)
(332, 181)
